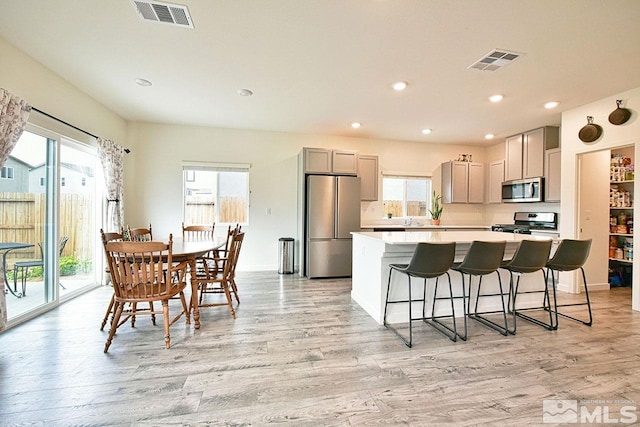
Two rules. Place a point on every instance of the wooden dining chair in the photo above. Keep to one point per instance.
(198, 233)
(116, 237)
(106, 238)
(195, 233)
(138, 275)
(140, 234)
(221, 254)
(220, 280)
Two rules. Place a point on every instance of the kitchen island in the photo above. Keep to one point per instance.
(374, 251)
(418, 226)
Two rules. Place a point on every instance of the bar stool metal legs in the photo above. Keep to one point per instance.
(429, 260)
(531, 256)
(449, 331)
(479, 316)
(546, 304)
(571, 255)
(483, 258)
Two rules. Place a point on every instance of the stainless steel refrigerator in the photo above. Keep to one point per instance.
(332, 213)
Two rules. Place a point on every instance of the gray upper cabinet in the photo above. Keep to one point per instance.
(368, 173)
(525, 153)
(345, 162)
(533, 154)
(496, 177)
(326, 161)
(317, 160)
(462, 182)
(552, 175)
(513, 156)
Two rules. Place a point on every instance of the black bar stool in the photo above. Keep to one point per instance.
(483, 258)
(531, 256)
(570, 255)
(429, 260)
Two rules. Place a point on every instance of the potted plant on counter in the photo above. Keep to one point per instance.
(436, 208)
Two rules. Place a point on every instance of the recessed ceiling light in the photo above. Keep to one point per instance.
(399, 86)
(496, 98)
(143, 82)
(426, 131)
(489, 136)
(355, 125)
(550, 105)
(244, 92)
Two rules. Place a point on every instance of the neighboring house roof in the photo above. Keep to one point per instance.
(15, 159)
(84, 170)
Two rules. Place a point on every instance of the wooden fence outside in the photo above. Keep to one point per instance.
(232, 210)
(414, 208)
(23, 219)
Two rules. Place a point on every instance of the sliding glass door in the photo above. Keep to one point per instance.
(24, 199)
(50, 203)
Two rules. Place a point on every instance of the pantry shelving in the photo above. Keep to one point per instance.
(621, 218)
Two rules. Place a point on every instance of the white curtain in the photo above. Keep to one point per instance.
(14, 113)
(111, 156)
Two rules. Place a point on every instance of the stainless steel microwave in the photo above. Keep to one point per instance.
(523, 190)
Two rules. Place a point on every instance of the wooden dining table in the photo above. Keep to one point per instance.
(189, 251)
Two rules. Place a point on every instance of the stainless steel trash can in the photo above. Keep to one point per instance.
(285, 255)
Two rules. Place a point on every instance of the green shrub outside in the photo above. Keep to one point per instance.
(69, 266)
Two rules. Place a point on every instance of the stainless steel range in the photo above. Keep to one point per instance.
(525, 222)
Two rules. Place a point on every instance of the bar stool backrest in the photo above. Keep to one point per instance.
(483, 258)
(431, 259)
(570, 255)
(531, 255)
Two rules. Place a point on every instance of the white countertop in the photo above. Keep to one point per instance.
(424, 226)
(414, 237)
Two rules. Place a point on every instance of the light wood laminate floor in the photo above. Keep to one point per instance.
(302, 353)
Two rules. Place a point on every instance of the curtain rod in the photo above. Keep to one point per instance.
(126, 150)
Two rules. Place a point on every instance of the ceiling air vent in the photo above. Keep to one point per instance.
(495, 60)
(164, 13)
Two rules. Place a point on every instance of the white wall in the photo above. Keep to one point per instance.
(572, 146)
(48, 92)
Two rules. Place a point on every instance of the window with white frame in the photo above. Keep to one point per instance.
(6, 172)
(406, 196)
(215, 192)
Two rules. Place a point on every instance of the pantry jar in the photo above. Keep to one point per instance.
(622, 218)
(619, 253)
